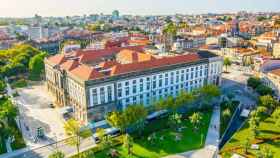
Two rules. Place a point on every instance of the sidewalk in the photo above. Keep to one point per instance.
(213, 134)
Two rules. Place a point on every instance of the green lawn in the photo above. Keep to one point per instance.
(267, 129)
(191, 140)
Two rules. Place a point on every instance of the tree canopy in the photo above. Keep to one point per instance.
(36, 66)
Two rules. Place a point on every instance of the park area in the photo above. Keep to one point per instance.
(268, 140)
(158, 139)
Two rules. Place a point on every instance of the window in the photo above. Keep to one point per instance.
(160, 83)
(200, 73)
(148, 85)
(119, 92)
(191, 75)
(119, 85)
(94, 97)
(134, 82)
(134, 89)
(166, 81)
(187, 76)
(126, 91)
(134, 100)
(196, 74)
(141, 87)
(154, 84)
(109, 90)
(182, 77)
(102, 95)
(126, 83)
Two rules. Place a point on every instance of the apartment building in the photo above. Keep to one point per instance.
(95, 82)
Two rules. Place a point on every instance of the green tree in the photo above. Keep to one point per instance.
(105, 140)
(160, 104)
(268, 101)
(254, 122)
(207, 93)
(135, 116)
(74, 130)
(227, 62)
(226, 113)
(117, 120)
(175, 119)
(246, 145)
(2, 86)
(265, 153)
(276, 116)
(254, 82)
(36, 66)
(57, 154)
(196, 119)
(182, 99)
(264, 90)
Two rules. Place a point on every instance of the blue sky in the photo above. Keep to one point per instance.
(24, 8)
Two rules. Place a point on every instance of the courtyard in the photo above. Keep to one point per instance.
(34, 103)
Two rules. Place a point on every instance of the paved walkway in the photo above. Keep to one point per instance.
(211, 142)
(8, 145)
(213, 134)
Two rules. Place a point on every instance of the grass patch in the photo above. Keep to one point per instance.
(142, 148)
(267, 129)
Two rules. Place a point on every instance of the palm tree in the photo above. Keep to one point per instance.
(254, 123)
(74, 130)
(227, 63)
(195, 119)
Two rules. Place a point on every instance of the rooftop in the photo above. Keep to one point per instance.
(95, 64)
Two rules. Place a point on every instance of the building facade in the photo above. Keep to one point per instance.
(99, 81)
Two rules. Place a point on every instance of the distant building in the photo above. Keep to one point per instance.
(35, 33)
(276, 50)
(115, 15)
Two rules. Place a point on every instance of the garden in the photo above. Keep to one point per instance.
(260, 135)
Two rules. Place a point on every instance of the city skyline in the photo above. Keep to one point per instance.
(28, 8)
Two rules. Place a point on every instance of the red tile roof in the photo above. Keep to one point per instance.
(57, 59)
(70, 64)
(91, 55)
(86, 72)
(125, 68)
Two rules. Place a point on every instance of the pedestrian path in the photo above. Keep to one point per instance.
(213, 133)
(8, 145)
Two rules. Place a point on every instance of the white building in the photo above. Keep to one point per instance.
(99, 81)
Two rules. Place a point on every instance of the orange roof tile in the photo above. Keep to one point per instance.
(86, 72)
(57, 59)
(125, 68)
